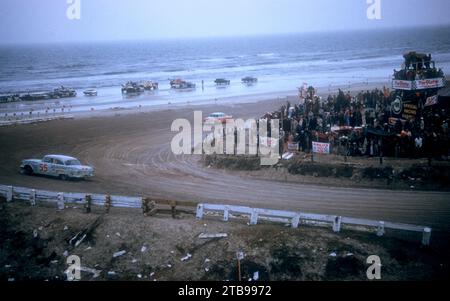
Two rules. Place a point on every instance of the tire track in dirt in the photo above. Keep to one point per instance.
(131, 155)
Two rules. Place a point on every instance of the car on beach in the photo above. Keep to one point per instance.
(217, 117)
(63, 167)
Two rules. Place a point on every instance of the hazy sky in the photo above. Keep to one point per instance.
(28, 21)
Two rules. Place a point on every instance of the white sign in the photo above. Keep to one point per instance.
(429, 83)
(402, 84)
(321, 148)
(420, 84)
(431, 101)
(293, 146)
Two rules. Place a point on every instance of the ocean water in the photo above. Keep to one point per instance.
(281, 63)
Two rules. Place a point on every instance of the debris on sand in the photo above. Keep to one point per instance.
(255, 276)
(187, 257)
(66, 253)
(35, 233)
(144, 249)
(95, 273)
(217, 235)
(119, 253)
(80, 236)
(333, 254)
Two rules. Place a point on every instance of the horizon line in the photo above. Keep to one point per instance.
(251, 35)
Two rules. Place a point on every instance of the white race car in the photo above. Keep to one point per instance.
(60, 166)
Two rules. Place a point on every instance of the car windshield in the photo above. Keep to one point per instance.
(73, 162)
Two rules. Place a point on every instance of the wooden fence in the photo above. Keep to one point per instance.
(151, 206)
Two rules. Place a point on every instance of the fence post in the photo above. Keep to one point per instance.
(88, 203)
(173, 208)
(295, 221)
(9, 194)
(107, 203)
(60, 201)
(254, 217)
(226, 214)
(426, 236)
(145, 208)
(380, 229)
(33, 197)
(200, 209)
(337, 224)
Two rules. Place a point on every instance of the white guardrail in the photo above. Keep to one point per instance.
(293, 218)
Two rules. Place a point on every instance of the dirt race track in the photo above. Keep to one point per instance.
(131, 155)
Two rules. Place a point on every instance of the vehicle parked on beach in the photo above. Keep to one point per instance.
(249, 80)
(179, 84)
(90, 92)
(132, 88)
(64, 92)
(220, 82)
(63, 167)
(217, 117)
(149, 85)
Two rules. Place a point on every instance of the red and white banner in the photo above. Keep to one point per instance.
(402, 84)
(321, 148)
(429, 83)
(420, 84)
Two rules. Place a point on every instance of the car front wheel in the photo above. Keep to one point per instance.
(28, 170)
(63, 177)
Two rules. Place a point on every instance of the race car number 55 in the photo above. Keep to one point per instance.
(43, 167)
(236, 290)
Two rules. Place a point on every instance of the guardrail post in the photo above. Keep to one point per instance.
(173, 208)
(33, 197)
(107, 203)
(200, 209)
(226, 214)
(145, 208)
(60, 201)
(88, 203)
(380, 229)
(9, 194)
(426, 236)
(254, 218)
(295, 221)
(337, 224)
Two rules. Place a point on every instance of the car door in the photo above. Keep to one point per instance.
(45, 166)
(58, 167)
